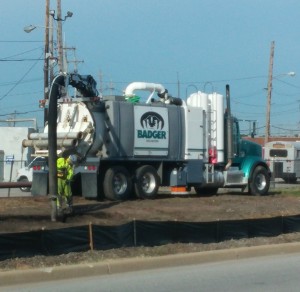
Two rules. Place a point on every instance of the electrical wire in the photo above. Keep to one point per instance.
(21, 41)
(279, 128)
(287, 83)
(26, 93)
(24, 81)
(22, 113)
(20, 54)
(28, 71)
(20, 60)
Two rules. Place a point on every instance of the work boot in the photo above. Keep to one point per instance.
(59, 212)
(59, 202)
(69, 209)
(69, 205)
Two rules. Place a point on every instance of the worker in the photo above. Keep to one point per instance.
(65, 166)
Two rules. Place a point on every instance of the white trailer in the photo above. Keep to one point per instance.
(283, 158)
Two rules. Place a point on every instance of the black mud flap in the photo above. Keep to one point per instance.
(89, 185)
(39, 185)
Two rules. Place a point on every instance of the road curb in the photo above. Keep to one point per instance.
(107, 267)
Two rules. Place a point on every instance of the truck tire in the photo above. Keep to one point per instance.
(117, 183)
(260, 182)
(206, 191)
(24, 189)
(146, 182)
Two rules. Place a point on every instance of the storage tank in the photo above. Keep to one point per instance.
(114, 128)
(213, 105)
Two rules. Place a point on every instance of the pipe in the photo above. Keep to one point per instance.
(175, 101)
(54, 94)
(21, 184)
(45, 143)
(44, 136)
(229, 130)
(129, 91)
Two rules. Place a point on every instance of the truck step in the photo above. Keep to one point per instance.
(234, 176)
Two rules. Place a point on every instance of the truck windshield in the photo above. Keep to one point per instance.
(278, 153)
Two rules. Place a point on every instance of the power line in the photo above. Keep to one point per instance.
(247, 104)
(21, 113)
(21, 41)
(20, 60)
(10, 58)
(26, 93)
(200, 82)
(23, 81)
(23, 53)
(287, 83)
(279, 128)
(9, 91)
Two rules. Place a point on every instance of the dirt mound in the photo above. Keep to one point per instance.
(33, 213)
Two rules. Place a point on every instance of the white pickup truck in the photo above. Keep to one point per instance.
(25, 173)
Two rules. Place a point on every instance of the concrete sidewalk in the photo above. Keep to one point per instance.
(15, 277)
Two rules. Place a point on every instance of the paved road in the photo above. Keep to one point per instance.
(267, 273)
(15, 192)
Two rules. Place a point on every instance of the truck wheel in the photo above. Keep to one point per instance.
(146, 182)
(24, 189)
(206, 191)
(117, 183)
(260, 182)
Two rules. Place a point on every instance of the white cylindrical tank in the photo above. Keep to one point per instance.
(213, 104)
(196, 137)
(76, 117)
(198, 99)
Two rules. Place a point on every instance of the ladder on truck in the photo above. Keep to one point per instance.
(212, 139)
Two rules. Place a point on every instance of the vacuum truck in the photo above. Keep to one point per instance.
(125, 146)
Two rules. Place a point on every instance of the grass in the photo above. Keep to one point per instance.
(291, 191)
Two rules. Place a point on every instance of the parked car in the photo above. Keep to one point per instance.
(24, 174)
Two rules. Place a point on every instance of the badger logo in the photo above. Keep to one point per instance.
(153, 125)
(152, 120)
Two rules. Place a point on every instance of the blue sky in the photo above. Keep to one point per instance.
(195, 42)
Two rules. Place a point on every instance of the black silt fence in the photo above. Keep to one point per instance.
(139, 233)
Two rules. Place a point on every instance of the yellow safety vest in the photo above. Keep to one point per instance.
(64, 169)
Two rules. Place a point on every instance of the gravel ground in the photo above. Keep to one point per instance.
(26, 214)
(139, 252)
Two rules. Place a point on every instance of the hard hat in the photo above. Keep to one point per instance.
(72, 159)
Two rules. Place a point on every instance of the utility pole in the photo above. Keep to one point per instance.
(60, 52)
(59, 38)
(75, 61)
(51, 50)
(251, 128)
(46, 61)
(100, 83)
(267, 135)
(178, 86)
(111, 87)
